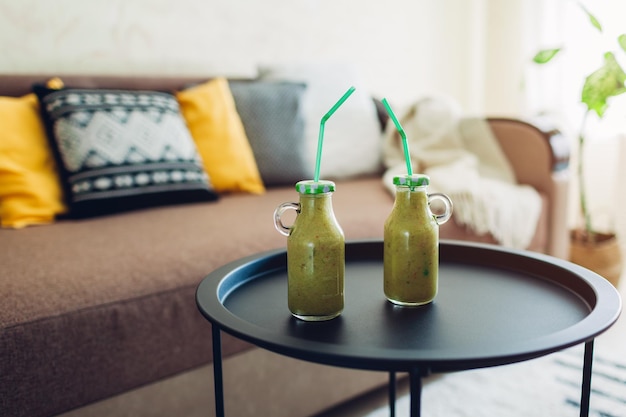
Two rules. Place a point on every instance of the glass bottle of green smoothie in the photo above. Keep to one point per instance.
(411, 242)
(315, 253)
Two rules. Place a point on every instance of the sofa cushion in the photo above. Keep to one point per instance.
(107, 304)
(272, 116)
(30, 191)
(120, 150)
(212, 118)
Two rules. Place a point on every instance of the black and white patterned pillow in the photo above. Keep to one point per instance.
(120, 150)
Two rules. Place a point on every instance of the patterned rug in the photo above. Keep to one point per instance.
(543, 387)
(548, 387)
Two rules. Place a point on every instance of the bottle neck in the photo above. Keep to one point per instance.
(312, 204)
(412, 200)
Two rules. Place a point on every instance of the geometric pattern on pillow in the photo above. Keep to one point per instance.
(121, 150)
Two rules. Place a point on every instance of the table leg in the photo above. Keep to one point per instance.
(217, 371)
(586, 386)
(415, 386)
(392, 394)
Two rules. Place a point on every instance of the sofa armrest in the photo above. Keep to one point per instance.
(539, 155)
(534, 149)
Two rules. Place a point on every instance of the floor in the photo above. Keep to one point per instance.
(363, 405)
(612, 342)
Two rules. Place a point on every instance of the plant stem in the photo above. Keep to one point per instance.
(581, 182)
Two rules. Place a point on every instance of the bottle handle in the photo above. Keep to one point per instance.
(278, 213)
(445, 216)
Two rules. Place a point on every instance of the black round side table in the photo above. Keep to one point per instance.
(495, 306)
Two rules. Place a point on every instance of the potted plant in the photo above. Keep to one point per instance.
(598, 251)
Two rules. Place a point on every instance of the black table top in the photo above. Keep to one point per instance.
(494, 306)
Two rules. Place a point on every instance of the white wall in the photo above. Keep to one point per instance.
(403, 48)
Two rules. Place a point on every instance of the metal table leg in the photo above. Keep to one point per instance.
(415, 386)
(392, 394)
(217, 371)
(586, 386)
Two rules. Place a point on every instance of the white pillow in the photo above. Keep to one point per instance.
(352, 135)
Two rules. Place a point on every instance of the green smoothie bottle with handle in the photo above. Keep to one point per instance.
(315, 253)
(411, 242)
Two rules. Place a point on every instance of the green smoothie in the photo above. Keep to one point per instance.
(411, 249)
(316, 261)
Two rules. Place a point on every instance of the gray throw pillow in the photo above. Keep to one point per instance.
(272, 116)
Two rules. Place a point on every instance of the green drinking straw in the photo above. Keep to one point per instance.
(320, 139)
(405, 145)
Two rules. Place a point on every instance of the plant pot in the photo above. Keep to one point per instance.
(603, 256)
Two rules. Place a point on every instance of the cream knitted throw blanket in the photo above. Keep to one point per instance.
(464, 160)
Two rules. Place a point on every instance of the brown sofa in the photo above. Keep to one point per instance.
(98, 317)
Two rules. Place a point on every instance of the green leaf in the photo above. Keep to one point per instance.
(544, 56)
(607, 81)
(595, 22)
(621, 39)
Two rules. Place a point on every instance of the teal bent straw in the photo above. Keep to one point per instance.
(405, 145)
(321, 135)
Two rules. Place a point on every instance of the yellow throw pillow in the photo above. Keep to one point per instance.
(30, 189)
(212, 118)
